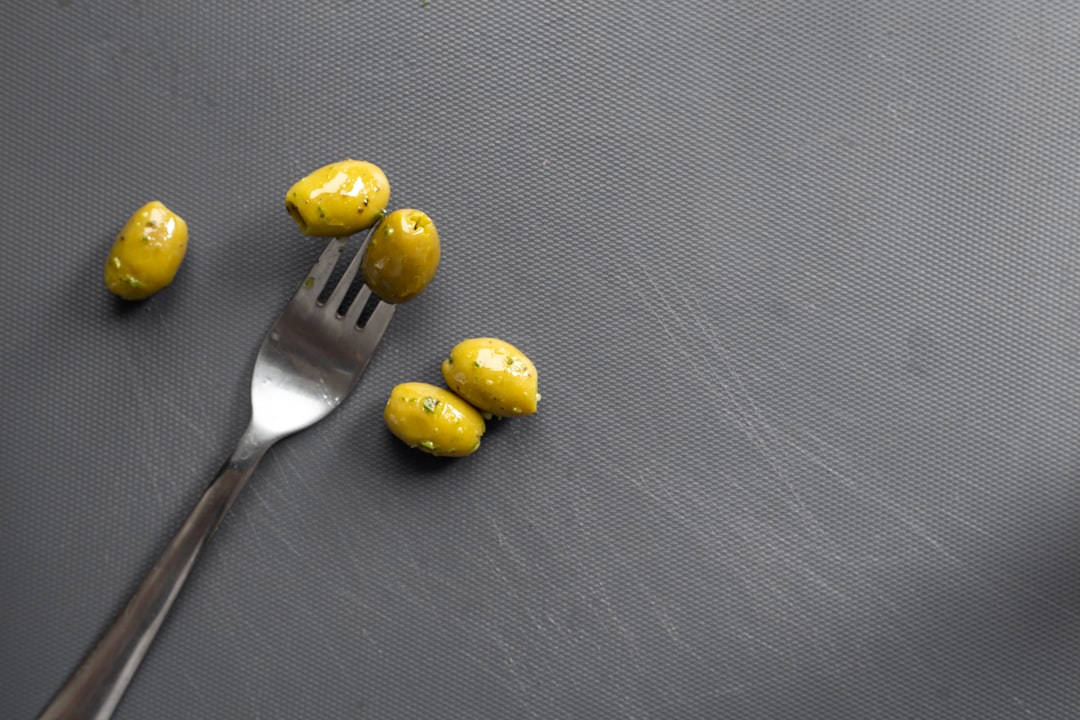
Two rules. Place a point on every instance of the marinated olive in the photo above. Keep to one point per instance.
(147, 253)
(403, 256)
(339, 199)
(433, 420)
(492, 375)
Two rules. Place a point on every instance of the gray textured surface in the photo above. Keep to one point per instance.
(802, 280)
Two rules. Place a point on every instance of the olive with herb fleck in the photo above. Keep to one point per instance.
(402, 256)
(147, 253)
(433, 420)
(339, 199)
(492, 375)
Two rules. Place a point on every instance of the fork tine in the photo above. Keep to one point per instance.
(376, 324)
(357, 307)
(316, 279)
(336, 297)
(320, 273)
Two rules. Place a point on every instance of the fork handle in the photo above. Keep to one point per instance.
(95, 688)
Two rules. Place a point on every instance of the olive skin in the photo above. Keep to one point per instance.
(433, 420)
(147, 253)
(339, 199)
(402, 256)
(493, 376)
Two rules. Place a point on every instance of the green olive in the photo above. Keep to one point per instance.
(403, 256)
(339, 199)
(492, 375)
(147, 253)
(433, 420)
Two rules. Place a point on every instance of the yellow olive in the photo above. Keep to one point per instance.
(492, 375)
(339, 199)
(147, 252)
(433, 420)
(403, 256)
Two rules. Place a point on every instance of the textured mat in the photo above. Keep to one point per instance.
(800, 278)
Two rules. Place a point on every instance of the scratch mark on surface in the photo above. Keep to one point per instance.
(271, 525)
(175, 408)
(759, 430)
(356, 600)
(513, 680)
(918, 530)
(512, 665)
(758, 641)
(645, 302)
(254, 528)
(350, 550)
(1020, 704)
(664, 618)
(728, 387)
(667, 505)
(287, 455)
(507, 584)
(498, 532)
(486, 669)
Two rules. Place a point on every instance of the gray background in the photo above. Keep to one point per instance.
(802, 281)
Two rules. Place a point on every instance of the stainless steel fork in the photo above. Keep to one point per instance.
(309, 362)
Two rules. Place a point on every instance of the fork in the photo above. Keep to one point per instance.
(308, 363)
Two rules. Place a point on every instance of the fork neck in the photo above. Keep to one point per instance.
(99, 682)
(250, 449)
(254, 443)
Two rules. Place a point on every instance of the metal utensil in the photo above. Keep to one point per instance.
(309, 362)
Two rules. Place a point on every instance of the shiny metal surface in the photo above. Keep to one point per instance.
(311, 359)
